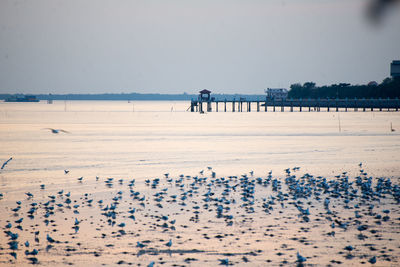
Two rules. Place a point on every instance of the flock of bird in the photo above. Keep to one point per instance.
(230, 200)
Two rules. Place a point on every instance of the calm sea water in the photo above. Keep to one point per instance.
(150, 138)
(144, 140)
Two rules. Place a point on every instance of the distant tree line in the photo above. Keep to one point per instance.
(389, 88)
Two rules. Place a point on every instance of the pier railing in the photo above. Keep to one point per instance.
(243, 105)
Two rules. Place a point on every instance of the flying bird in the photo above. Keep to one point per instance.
(5, 163)
(56, 131)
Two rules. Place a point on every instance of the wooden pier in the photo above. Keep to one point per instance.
(242, 105)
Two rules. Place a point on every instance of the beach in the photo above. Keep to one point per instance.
(141, 182)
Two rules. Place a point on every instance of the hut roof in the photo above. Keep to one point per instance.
(204, 91)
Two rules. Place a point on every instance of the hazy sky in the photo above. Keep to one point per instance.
(175, 46)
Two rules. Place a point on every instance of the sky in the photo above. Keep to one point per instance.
(176, 46)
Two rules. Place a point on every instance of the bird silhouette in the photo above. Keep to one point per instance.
(56, 131)
(50, 239)
(300, 258)
(6, 162)
(372, 260)
(140, 245)
(223, 261)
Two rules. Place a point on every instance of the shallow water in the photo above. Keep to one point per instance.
(144, 140)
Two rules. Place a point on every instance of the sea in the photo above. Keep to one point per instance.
(152, 142)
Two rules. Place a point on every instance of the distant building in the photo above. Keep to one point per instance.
(276, 93)
(395, 68)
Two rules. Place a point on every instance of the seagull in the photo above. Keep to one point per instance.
(349, 248)
(140, 245)
(5, 163)
(223, 261)
(300, 258)
(13, 236)
(33, 252)
(50, 239)
(169, 244)
(13, 245)
(372, 260)
(56, 131)
(33, 260)
(132, 211)
(66, 171)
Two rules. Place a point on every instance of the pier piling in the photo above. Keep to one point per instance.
(311, 104)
